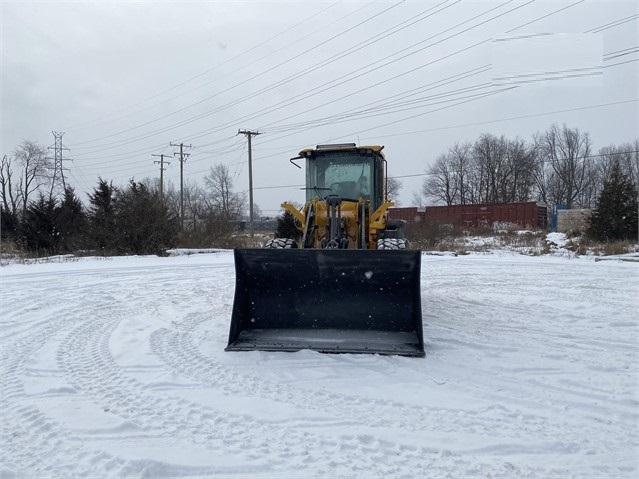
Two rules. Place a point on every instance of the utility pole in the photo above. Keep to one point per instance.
(183, 157)
(58, 170)
(249, 134)
(161, 162)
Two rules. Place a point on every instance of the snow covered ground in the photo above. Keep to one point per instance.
(115, 368)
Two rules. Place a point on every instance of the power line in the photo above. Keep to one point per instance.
(622, 50)
(250, 96)
(612, 56)
(371, 66)
(332, 84)
(391, 100)
(401, 107)
(511, 118)
(206, 72)
(288, 104)
(311, 94)
(415, 175)
(616, 23)
(244, 81)
(464, 125)
(564, 74)
(419, 103)
(350, 135)
(605, 155)
(544, 16)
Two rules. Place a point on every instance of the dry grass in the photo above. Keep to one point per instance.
(528, 242)
(583, 245)
(439, 238)
(610, 248)
(476, 240)
(9, 252)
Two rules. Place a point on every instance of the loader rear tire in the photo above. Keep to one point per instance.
(281, 243)
(392, 243)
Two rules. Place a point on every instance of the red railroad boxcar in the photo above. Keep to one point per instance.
(525, 214)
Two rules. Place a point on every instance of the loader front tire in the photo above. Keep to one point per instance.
(281, 243)
(392, 243)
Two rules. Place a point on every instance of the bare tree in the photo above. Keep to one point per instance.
(441, 182)
(492, 169)
(460, 158)
(220, 196)
(195, 206)
(563, 153)
(9, 191)
(393, 185)
(35, 166)
(418, 198)
(257, 212)
(633, 162)
(522, 160)
(626, 154)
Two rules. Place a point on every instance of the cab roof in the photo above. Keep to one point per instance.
(343, 147)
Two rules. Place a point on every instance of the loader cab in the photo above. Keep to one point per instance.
(347, 171)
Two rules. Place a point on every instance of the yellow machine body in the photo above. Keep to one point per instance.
(347, 283)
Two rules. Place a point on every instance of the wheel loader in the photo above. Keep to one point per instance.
(348, 283)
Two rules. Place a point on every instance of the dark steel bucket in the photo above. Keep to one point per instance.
(332, 301)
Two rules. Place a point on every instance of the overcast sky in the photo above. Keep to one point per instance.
(123, 80)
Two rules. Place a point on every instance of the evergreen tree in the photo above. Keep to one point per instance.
(615, 216)
(9, 223)
(103, 235)
(38, 230)
(71, 221)
(143, 222)
(286, 227)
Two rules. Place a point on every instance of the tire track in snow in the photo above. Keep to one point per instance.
(31, 441)
(86, 359)
(177, 349)
(376, 416)
(372, 451)
(538, 362)
(351, 452)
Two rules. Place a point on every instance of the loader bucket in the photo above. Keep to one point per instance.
(332, 301)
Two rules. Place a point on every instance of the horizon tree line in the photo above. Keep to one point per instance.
(133, 219)
(557, 166)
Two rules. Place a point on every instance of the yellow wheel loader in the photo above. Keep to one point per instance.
(348, 283)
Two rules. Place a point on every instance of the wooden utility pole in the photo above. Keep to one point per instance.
(249, 134)
(161, 162)
(183, 157)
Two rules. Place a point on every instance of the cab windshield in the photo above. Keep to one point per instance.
(346, 174)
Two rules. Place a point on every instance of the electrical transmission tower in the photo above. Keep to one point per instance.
(58, 169)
